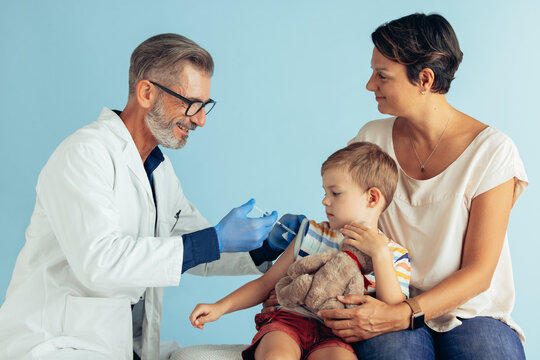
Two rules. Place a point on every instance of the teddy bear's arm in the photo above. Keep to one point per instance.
(355, 286)
(309, 264)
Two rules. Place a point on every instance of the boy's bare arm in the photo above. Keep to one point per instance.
(376, 246)
(251, 294)
(388, 289)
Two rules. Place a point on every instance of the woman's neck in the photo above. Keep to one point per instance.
(427, 124)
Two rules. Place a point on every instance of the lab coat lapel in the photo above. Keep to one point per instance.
(130, 152)
(136, 166)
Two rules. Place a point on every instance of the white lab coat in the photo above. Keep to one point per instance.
(94, 247)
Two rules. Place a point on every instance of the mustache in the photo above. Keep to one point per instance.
(185, 124)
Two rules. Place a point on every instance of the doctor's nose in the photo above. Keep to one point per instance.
(199, 118)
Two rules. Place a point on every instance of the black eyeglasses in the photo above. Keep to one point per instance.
(193, 106)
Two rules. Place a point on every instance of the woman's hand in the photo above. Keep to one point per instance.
(365, 239)
(371, 318)
(269, 305)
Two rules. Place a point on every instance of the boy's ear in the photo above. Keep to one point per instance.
(375, 197)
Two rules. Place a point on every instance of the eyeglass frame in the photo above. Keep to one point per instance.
(187, 101)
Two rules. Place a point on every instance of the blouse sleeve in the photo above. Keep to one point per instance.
(503, 163)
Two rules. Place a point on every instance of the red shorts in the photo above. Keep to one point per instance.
(309, 333)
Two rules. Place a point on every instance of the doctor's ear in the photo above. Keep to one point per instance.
(375, 197)
(146, 94)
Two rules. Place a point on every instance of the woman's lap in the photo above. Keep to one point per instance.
(402, 345)
(477, 338)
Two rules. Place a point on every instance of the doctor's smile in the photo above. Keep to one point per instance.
(184, 129)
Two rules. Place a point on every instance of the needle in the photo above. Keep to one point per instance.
(265, 213)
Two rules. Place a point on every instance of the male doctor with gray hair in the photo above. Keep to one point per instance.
(111, 226)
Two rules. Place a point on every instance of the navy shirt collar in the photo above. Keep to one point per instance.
(152, 161)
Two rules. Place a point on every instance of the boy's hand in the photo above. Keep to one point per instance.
(204, 313)
(365, 239)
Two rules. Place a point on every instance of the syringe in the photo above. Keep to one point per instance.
(265, 213)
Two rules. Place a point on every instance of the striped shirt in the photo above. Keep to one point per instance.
(319, 237)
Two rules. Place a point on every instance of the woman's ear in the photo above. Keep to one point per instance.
(426, 77)
(375, 197)
(145, 94)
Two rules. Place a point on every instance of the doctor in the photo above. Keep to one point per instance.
(111, 226)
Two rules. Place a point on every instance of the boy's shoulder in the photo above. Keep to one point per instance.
(394, 246)
(323, 229)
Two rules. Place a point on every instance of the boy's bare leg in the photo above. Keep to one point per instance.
(332, 352)
(277, 345)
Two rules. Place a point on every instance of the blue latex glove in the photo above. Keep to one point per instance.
(237, 233)
(279, 238)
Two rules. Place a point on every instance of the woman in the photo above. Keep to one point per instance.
(458, 181)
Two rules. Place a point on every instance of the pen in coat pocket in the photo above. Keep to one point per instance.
(177, 216)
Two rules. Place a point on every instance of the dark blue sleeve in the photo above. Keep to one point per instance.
(200, 247)
(264, 253)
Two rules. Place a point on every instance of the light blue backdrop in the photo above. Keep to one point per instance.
(290, 84)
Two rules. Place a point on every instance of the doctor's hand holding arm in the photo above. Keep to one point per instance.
(278, 239)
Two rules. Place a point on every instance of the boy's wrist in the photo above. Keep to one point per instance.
(221, 307)
(381, 253)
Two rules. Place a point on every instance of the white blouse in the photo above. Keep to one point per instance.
(429, 218)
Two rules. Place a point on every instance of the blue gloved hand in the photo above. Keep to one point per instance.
(237, 233)
(279, 238)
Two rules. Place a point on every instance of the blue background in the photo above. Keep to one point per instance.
(290, 84)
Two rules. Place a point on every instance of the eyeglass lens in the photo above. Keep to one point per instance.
(196, 106)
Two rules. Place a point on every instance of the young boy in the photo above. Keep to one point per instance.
(359, 182)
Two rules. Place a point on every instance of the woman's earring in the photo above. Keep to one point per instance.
(423, 93)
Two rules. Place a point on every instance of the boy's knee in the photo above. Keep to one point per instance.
(276, 354)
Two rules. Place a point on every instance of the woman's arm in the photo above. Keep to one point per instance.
(482, 247)
(375, 245)
(251, 294)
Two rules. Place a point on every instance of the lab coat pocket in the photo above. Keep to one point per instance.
(100, 324)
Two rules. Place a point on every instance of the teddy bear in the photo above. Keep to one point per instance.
(316, 280)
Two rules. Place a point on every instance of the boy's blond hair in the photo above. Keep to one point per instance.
(369, 166)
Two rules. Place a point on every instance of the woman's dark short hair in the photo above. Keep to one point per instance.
(421, 41)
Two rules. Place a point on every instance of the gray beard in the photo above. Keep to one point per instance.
(162, 128)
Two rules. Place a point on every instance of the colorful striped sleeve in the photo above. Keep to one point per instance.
(318, 238)
(402, 266)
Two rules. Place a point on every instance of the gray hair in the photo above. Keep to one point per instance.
(162, 58)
